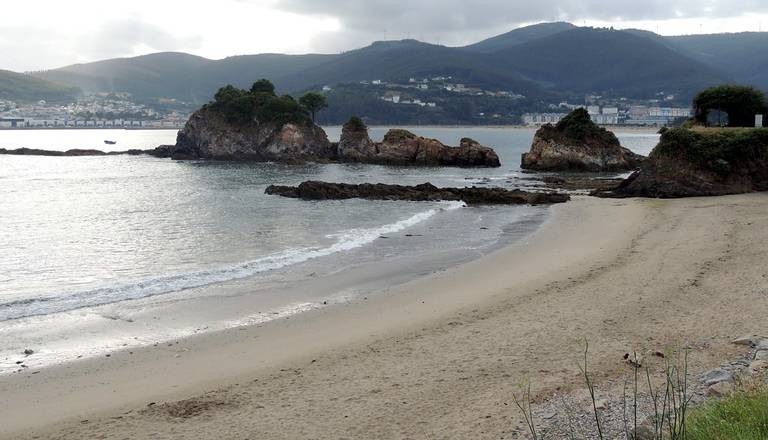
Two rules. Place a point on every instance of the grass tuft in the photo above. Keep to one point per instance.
(741, 416)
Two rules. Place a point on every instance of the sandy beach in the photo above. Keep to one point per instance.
(441, 356)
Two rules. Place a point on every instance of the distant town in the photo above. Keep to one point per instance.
(433, 97)
(434, 92)
(443, 83)
(114, 110)
(639, 115)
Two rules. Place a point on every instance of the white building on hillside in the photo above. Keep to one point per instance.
(542, 118)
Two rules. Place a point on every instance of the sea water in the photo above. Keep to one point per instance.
(100, 253)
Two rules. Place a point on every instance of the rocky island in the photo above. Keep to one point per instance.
(701, 162)
(578, 144)
(258, 125)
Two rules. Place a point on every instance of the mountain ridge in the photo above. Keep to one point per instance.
(539, 61)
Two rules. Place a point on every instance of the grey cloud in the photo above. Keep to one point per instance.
(466, 14)
(122, 37)
(23, 54)
(58, 48)
(443, 18)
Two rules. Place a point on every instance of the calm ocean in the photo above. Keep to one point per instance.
(92, 247)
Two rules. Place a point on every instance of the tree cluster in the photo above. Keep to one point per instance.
(578, 125)
(263, 104)
(741, 103)
(355, 124)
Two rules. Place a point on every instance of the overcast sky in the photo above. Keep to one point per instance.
(42, 34)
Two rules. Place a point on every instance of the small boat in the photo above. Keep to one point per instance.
(110, 142)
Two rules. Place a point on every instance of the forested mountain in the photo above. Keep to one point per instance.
(546, 62)
(177, 75)
(742, 56)
(402, 60)
(608, 62)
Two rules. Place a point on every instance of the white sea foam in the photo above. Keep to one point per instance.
(345, 241)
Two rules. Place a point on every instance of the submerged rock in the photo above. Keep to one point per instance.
(314, 190)
(577, 144)
(401, 147)
(692, 163)
(38, 152)
(576, 183)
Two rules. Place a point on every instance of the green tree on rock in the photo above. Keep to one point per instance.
(741, 103)
(228, 93)
(313, 102)
(259, 103)
(263, 86)
(578, 125)
(355, 124)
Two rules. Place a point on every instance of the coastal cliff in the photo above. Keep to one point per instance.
(701, 162)
(401, 147)
(578, 144)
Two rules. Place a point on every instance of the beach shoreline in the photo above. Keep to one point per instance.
(351, 264)
(429, 358)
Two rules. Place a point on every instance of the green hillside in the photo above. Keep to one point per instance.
(609, 62)
(180, 76)
(20, 87)
(743, 56)
(401, 60)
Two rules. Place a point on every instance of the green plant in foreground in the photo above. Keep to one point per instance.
(671, 402)
(524, 404)
(591, 388)
(741, 416)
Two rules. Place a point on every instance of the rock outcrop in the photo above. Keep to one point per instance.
(691, 163)
(401, 147)
(209, 135)
(355, 145)
(314, 190)
(577, 144)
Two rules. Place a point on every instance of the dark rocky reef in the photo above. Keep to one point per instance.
(401, 147)
(577, 183)
(70, 153)
(701, 162)
(314, 190)
(577, 144)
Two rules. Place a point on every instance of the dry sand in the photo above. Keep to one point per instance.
(439, 357)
